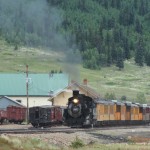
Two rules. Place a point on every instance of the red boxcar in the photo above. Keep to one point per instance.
(16, 114)
(56, 114)
(3, 116)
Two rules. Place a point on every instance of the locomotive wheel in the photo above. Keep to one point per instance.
(36, 125)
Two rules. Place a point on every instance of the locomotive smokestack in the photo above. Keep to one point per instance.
(75, 92)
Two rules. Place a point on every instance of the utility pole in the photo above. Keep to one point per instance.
(27, 84)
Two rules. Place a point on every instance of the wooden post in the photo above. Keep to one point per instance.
(27, 84)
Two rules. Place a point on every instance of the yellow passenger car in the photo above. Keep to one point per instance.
(134, 113)
(104, 112)
(144, 113)
(128, 112)
(119, 111)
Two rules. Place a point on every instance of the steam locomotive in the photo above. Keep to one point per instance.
(83, 111)
(79, 111)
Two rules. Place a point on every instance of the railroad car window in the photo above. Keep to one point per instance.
(122, 110)
(141, 110)
(105, 109)
(136, 110)
(36, 114)
(144, 110)
(147, 110)
(48, 112)
(52, 114)
(43, 111)
(118, 108)
(128, 108)
(101, 109)
(111, 109)
(132, 110)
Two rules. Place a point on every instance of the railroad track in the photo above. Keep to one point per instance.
(42, 130)
(62, 129)
(39, 130)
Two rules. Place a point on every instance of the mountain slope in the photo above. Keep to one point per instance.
(128, 82)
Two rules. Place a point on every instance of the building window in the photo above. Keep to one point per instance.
(18, 100)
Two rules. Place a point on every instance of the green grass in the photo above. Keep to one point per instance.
(130, 81)
(116, 147)
(77, 143)
(24, 143)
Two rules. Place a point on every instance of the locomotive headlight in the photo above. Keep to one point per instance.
(75, 101)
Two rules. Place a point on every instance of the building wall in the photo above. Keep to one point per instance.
(82, 91)
(4, 103)
(33, 101)
(62, 98)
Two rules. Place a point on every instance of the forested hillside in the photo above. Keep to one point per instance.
(105, 32)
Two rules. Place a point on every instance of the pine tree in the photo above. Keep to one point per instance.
(138, 26)
(142, 7)
(126, 48)
(126, 16)
(109, 58)
(120, 63)
(135, 4)
(106, 4)
(113, 4)
(147, 58)
(113, 52)
(118, 4)
(116, 34)
(139, 54)
(107, 44)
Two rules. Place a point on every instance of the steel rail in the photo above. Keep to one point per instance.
(63, 129)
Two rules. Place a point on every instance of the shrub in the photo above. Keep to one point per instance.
(123, 98)
(140, 98)
(77, 143)
(110, 96)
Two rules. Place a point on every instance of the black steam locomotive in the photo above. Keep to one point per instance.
(79, 112)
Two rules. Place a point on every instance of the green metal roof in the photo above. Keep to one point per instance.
(39, 84)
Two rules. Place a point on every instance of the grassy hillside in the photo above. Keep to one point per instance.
(106, 32)
(37, 59)
(130, 81)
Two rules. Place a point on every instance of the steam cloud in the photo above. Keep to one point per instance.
(32, 21)
(36, 23)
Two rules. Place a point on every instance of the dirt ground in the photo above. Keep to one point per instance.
(137, 134)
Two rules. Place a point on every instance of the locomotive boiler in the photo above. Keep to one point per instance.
(79, 111)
